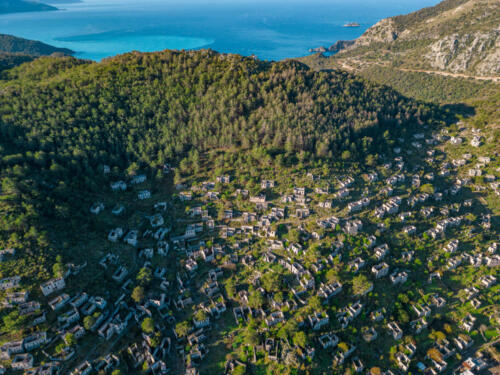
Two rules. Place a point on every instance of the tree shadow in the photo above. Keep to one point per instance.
(459, 109)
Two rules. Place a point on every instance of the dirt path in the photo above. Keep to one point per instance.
(455, 75)
(344, 65)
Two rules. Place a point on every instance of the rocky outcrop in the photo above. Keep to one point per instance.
(340, 45)
(334, 48)
(475, 52)
(384, 31)
(320, 49)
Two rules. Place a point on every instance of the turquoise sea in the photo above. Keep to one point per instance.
(270, 29)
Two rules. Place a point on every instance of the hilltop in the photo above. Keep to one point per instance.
(201, 85)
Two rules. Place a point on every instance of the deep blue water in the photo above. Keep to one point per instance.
(270, 29)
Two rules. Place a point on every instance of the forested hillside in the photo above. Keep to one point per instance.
(11, 60)
(14, 51)
(13, 44)
(63, 118)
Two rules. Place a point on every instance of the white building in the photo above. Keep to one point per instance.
(52, 286)
(144, 194)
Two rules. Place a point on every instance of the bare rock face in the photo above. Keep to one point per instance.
(477, 52)
(320, 49)
(491, 63)
(383, 31)
(340, 45)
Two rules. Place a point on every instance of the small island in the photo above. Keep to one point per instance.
(352, 24)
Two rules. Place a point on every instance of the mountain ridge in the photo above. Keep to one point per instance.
(13, 44)
(457, 36)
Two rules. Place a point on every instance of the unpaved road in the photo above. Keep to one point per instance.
(345, 65)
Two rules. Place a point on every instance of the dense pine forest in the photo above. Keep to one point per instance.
(175, 101)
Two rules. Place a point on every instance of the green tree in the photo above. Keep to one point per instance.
(13, 320)
(256, 299)
(271, 281)
(240, 370)
(371, 160)
(182, 328)
(346, 155)
(144, 276)
(314, 303)
(361, 285)
(148, 325)
(251, 336)
(58, 269)
(88, 322)
(300, 339)
(138, 294)
(200, 315)
(70, 339)
(343, 346)
(332, 275)
(155, 340)
(294, 235)
(133, 169)
(230, 288)
(427, 188)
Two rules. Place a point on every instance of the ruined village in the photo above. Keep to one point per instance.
(374, 271)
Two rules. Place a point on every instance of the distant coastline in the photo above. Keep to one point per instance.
(62, 2)
(97, 29)
(21, 6)
(10, 44)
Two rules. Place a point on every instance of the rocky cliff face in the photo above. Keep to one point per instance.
(340, 45)
(383, 31)
(477, 52)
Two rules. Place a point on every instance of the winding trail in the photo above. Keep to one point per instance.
(345, 65)
(455, 75)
